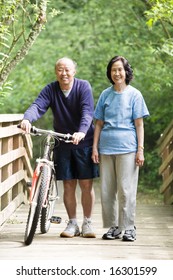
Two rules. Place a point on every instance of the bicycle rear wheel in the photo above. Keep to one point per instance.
(36, 206)
(47, 212)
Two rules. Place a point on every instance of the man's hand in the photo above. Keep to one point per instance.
(77, 137)
(26, 126)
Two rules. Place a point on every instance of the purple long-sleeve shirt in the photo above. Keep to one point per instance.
(70, 114)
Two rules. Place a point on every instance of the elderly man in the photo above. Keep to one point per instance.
(71, 102)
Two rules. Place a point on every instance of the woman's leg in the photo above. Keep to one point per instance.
(127, 181)
(108, 190)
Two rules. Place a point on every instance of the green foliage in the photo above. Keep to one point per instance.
(20, 24)
(161, 12)
(92, 32)
(149, 176)
(5, 91)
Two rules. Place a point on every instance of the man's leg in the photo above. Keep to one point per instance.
(70, 203)
(87, 200)
(70, 197)
(87, 196)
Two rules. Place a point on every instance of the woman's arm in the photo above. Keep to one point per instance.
(98, 127)
(140, 139)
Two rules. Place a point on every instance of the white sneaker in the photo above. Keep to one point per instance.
(71, 230)
(87, 230)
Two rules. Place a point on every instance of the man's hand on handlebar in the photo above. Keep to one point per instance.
(77, 137)
(26, 126)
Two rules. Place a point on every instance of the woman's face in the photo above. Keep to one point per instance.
(118, 73)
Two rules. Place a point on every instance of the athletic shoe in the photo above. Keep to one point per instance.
(129, 235)
(113, 233)
(71, 230)
(87, 230)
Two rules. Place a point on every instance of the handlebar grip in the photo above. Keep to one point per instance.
(33, 130)
(68, 137)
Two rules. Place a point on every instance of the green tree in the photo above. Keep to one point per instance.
(21, 21)
(161, 12)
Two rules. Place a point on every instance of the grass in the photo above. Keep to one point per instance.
(150, 197)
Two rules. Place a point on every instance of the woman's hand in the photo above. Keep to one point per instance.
(95, 155)
(140, 158)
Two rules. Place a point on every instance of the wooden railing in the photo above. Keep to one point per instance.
(166, 169)
(15, 167)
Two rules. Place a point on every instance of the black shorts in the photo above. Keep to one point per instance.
(74, 163)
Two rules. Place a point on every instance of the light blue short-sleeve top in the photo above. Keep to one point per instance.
(118, 111)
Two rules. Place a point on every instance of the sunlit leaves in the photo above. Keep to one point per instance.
(160, 10)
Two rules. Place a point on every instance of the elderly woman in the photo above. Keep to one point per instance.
(119, 148)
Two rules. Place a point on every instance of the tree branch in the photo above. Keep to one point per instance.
(35, 31)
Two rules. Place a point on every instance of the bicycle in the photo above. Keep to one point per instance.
(44, 188)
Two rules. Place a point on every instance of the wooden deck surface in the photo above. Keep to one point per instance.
(154, 238)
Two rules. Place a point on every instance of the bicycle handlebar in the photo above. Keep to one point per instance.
(37, 131)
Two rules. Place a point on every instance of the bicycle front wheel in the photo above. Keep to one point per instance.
(36, 206)
(47, 211)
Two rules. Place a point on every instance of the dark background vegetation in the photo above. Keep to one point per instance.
(92, 32)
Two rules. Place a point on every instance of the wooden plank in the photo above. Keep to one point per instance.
(165, 163)
(16, 154)
(10, 117)
(28, 164)
(164, 134)
(9, 131)
(166, 141)
(11, 156)
(166, 183)
(27, 140)
(28, 144)
(12, 180)
(11, 207)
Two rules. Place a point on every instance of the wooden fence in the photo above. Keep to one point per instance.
(166, 169)
(15, 167)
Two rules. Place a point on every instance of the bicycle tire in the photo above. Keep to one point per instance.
(47, 212)
(35, 207)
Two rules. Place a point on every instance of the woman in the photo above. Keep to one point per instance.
(119, 148)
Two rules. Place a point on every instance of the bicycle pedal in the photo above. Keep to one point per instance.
(55, 220)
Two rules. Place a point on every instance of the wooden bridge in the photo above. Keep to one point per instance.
(154, 221)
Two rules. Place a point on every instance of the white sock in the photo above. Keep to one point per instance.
(88, 219)
(74, 221)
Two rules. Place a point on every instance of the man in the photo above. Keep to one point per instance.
(71, 102)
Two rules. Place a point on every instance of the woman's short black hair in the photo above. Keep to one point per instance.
(127, 67)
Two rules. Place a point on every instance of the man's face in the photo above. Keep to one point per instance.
(65, 71)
